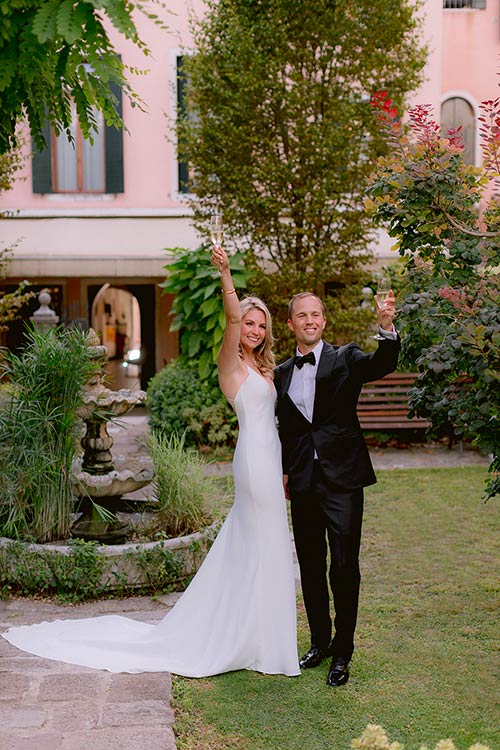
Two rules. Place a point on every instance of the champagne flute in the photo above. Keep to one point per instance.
(216, 229)
(383, 291)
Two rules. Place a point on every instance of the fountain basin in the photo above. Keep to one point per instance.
(126, 567)
(113, 403)
(128, 475)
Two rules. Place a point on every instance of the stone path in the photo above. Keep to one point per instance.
(47, 705)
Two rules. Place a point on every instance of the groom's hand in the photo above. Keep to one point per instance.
(386, 312)
(285, 486)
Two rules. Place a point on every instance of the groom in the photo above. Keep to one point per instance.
(326, 465)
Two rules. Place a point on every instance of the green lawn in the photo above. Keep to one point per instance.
(425, 666)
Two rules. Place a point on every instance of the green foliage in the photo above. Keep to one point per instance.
(52, 51)
(73, 577)
(427, 197)
(184, 405)
(38, 423)
(450, 310)
(10, 163)
(84, 573)
(11, 302)
(280, 135)
(214, 426)
(173, 393)
(180, 486)
(159, 567)
(198, 305)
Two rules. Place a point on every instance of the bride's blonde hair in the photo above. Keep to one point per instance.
(264, 357)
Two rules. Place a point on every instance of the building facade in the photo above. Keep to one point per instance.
(91, 223)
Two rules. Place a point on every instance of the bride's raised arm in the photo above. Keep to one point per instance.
(232, 371)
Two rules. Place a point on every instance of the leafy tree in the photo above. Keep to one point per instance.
(448, 232)
(55, 51)
(280, 136)
(198, 307)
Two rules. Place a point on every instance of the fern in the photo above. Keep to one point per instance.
(44, 23)
(71, 21)
(119, 12)
(7, 73)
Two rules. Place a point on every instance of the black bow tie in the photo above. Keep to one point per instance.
(299, 360)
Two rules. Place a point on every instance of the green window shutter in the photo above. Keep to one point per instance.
(41, 164)
(182, 166)
(114, 150)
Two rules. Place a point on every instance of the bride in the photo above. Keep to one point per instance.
(239, 610)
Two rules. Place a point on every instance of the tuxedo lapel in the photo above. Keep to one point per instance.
(286, 376)
(325, 367)
(286, 372)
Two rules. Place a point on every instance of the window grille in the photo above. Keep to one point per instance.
(475, 4)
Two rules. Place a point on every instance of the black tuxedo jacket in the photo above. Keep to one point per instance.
(335, 433)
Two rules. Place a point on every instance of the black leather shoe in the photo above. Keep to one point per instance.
(339, 673)
(313, 658)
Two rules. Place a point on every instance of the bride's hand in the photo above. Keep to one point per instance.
(219, 259)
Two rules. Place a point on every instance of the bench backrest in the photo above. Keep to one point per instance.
(383, 404)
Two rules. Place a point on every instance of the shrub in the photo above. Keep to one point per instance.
(182, 404)
(448, 232)
(215, 425)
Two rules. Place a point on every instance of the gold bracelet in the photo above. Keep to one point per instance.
(229, 291)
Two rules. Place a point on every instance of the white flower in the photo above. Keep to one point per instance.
(374, 738)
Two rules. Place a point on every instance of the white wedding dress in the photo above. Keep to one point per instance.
(239, 610)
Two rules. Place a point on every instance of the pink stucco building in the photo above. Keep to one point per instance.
(92, 226)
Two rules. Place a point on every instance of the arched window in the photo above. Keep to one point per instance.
(457, 111)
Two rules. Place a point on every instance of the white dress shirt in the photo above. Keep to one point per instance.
(303, 384)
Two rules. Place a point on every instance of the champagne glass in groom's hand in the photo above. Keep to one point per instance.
(384, 299)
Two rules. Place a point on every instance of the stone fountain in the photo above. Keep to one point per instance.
(99, 479)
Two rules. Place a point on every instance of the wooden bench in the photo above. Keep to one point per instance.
(383, 404)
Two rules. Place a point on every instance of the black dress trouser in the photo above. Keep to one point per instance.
(333, 516)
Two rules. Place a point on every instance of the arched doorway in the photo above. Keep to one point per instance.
(123, 317)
